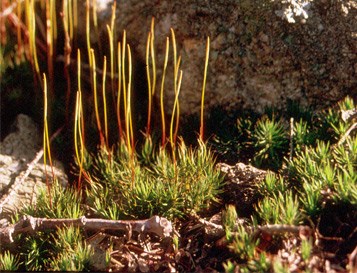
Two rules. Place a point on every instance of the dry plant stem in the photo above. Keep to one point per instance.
(79, 126)
(41, 26)
(74, 22)
(130, 64)
(67, 52)
(148, 76)
(112, 38)
(68, 12)
(15, 21)
(9, 12)
(344, 137)
(3, 30)
(177, 84)
(95, 23)
(204, 89)
(129, 121)
(123, 76)
(210, 224)
(178, 104)
(30, 225)
(18, 32)
(163, 136)
(31, 24)
(302, 231)
(88, 28)
(19, 183)
(77, 131)
(95, 96)
(105, 103)
(291, 139)
(46, 141)
(127, 97)
(120, 127)
(150, 56)
(28, 30)
(111, 53)
(176, 110)
(50, 40)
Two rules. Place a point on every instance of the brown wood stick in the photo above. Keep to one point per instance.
(30, 225)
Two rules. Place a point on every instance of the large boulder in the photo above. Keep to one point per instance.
(263, 53)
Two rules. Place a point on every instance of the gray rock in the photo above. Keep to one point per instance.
(24, 141)
(242, 185)
(257, 58)
(22, 174)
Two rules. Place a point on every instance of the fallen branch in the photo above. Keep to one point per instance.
(344, 137)
(217, 230)
(30, 225)
(302, 231)
(211, 225)
(275, 229)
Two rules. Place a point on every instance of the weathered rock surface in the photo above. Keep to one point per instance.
(21, 174)
(257, 58)
(241, 186)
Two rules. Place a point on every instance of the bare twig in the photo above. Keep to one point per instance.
(276, 229)
(291, 139)
(30, 225)
(302, 231)
(210, 224)
(344, 137)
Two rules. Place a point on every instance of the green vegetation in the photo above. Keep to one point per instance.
(118, 180)
(270, 140)
(36, 252)
(306, 249)
(64, 203)
(126, 174)
(8, 262)
(71, 253)
(162, 187)
(317, 175)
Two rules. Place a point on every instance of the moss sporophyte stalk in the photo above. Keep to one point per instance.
(164, 181)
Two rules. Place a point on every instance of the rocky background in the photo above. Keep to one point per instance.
(22, 172)
(263, 53)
